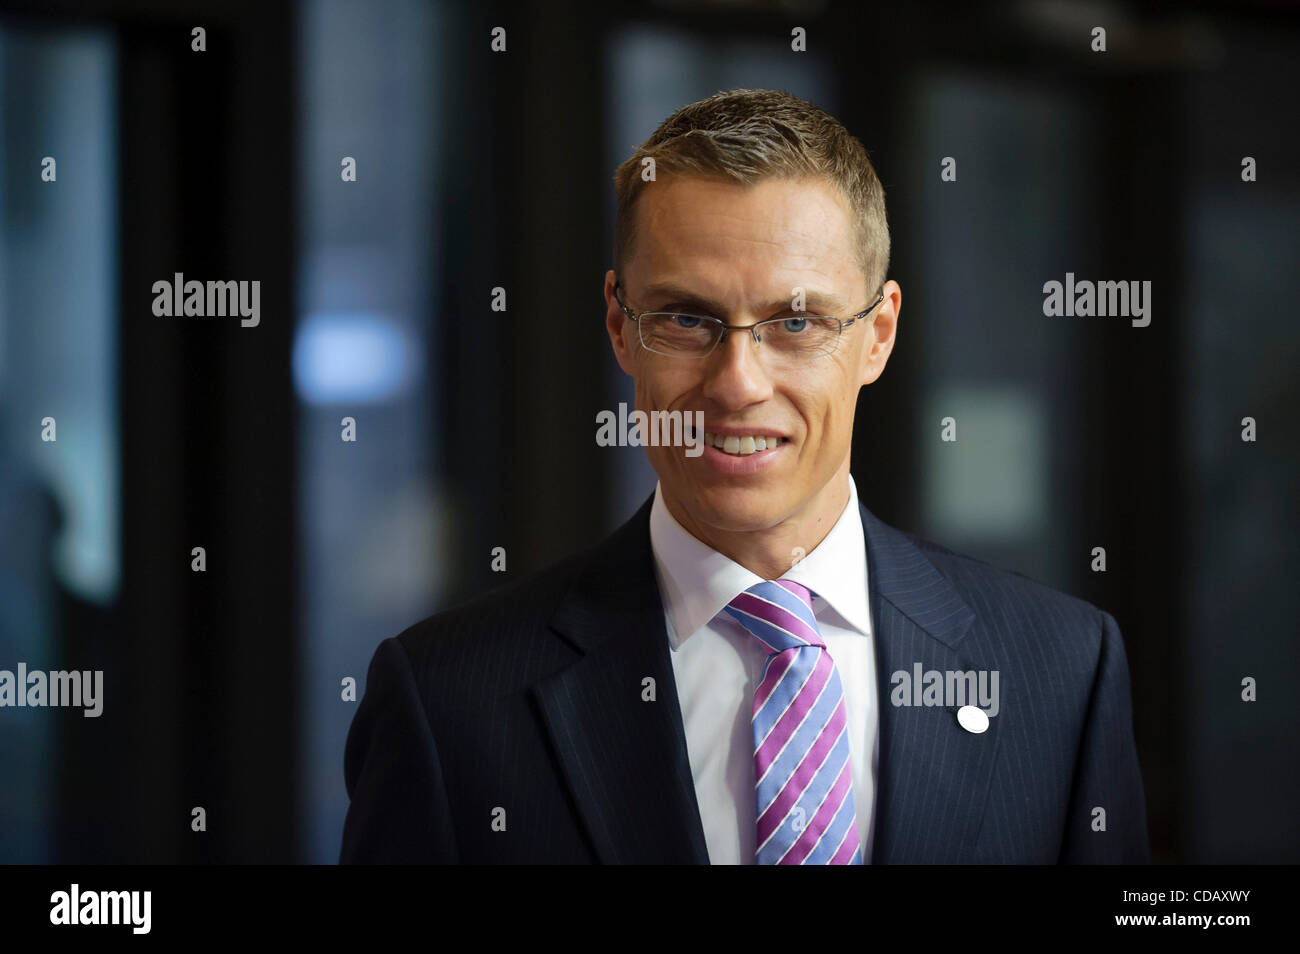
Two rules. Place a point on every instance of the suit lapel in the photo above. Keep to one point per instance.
(624, 757)
(933, 776)
(626, 761)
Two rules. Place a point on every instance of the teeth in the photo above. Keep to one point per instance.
(740, 446)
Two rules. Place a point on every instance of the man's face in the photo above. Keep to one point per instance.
(737, 253)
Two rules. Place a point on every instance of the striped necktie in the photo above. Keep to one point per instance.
(804, 787)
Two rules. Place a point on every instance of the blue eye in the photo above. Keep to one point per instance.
(687, 321)
(795, 324)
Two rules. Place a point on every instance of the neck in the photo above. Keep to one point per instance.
(771, 553)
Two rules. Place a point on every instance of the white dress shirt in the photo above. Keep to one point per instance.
(717, 665)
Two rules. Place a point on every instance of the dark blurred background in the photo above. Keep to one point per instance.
(475, 429)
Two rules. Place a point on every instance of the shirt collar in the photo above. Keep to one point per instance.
(697, 582)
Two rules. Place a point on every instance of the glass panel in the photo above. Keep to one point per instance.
(363, 350)
(59, 508)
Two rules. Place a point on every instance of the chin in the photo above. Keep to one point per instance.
(735, 510)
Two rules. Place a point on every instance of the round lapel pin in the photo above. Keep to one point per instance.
(973, 719)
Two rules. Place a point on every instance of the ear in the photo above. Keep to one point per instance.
(620, 330)
(881, 333)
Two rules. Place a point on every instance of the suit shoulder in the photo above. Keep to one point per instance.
(514, 613)
(985, 586)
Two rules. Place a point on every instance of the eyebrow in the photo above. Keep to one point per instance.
(818, 302)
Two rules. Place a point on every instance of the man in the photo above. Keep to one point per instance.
(753, 668)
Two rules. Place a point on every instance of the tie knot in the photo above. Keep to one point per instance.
(778, 613)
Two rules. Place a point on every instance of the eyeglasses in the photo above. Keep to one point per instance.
(795, 337)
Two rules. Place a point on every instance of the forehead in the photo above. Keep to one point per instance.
(782, 231)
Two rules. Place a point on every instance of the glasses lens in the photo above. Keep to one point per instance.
(804, 336)
(677, 334)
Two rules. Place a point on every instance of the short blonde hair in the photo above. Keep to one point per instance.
(747, 135)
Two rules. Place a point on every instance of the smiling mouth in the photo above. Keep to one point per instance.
(741, 445)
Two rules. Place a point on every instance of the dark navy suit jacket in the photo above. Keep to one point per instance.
(513, 728)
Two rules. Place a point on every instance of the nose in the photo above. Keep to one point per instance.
(737, 375)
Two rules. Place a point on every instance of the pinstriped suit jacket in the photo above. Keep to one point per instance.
(515, 728)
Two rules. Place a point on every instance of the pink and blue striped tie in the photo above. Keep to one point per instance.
(804, 784)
